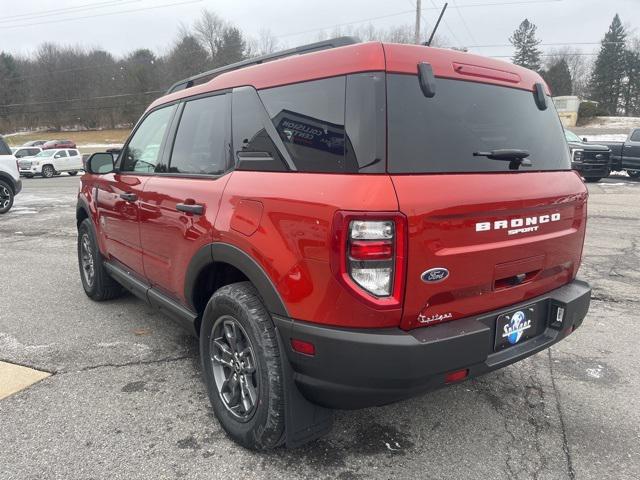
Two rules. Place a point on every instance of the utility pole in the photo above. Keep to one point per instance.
(416, 39)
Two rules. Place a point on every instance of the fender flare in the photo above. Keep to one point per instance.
(82, 204)
(226, 253)
(9, 180)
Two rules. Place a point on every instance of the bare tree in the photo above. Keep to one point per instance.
(208, 30)
(579, 65)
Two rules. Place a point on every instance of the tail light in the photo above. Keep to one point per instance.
(369, 255)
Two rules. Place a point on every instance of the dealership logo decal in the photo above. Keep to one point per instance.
(518, 225)
(434, 275)
(426, 320)
(516, 327)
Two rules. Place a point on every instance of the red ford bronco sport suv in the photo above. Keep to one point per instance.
(343, 225)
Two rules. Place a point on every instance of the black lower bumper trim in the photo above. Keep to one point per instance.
(355, 368)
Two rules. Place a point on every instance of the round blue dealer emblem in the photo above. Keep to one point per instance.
(517, 326)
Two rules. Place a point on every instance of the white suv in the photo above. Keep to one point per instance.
(52, 162)
(10, 183)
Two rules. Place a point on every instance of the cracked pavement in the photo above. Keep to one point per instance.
(126, 401)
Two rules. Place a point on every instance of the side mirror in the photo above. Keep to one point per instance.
(100, 163)
(584, 139)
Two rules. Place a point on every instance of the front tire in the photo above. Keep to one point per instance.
(633, 173)
(6, 197)
(48, 171)
(241, 362)
(97, 283)
(593, 179)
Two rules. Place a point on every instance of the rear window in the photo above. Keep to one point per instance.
(4, 149)
(635, 136)
(440, 134)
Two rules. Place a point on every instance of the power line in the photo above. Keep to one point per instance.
(464, 22)
(65, 11)
(103, 97)
(155, 7)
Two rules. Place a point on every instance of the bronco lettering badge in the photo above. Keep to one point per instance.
(518, 225)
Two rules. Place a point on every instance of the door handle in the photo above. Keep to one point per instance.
(129, 197)
(190, 208)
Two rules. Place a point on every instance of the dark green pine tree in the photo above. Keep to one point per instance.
(526, 44)
(630, 97)
(558, 77)
(608, 73)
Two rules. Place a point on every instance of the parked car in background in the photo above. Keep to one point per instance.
(25, 152)
(51, 162)
(58, 144)
(10, 183)
(34, 143)
(625, 156)
(590, 160)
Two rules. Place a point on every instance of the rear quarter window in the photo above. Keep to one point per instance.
(440, 134)
(4, 148)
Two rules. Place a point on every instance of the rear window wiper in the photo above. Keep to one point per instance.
(516, 158)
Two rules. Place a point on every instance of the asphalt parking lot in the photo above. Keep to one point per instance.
(125, 400)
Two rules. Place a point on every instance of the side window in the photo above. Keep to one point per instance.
(143, 151)
(310, 118)
(61, 154)
(4, 149)
(33, 151)
(252, 144)
(635, 136)
(73, 153)
(201, 145)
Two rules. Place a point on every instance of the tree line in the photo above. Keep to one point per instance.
(612, 80)
(71, 87)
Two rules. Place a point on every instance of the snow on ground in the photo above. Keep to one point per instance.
(615, 122)
(617, 137)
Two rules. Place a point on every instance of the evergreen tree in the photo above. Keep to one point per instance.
(526, 44)
(631, 85)
(558, 77)
(230, 47)
(609, 69)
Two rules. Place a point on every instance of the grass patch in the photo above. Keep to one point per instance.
(88, 137)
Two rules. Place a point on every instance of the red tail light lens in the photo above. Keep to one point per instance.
(302, 346)
(369, 255)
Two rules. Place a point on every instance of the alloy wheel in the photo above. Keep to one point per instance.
(234, 367)
(86, 259)
(5, 197)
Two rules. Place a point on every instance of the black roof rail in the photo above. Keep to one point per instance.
(311, 47)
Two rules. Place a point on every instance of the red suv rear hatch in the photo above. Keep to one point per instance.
(482, 233)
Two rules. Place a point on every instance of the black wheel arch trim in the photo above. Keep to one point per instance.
(226, 253)
(10, 181)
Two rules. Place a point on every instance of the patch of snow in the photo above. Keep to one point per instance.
(595, 372)
(615, 122)
(619, 137)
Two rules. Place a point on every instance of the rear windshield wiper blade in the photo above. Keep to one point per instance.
(517, 158)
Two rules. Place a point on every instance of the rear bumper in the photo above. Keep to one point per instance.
(360, 368)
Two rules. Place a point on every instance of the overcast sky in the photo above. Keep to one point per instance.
(121, 26)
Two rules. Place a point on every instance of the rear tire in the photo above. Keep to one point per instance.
(6, 197)
(592, 179)
(97, 283)
(48, 171)
(633, 173)
(235, 320)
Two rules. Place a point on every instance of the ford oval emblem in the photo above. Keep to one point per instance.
(434, 275)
